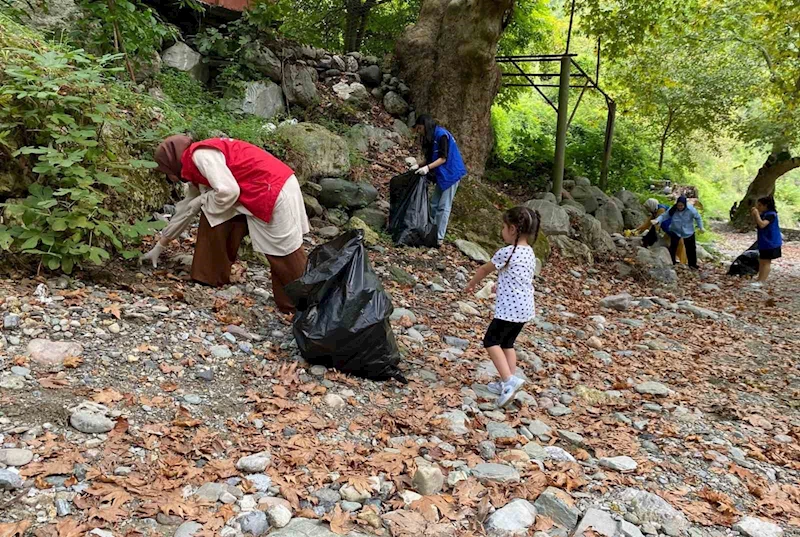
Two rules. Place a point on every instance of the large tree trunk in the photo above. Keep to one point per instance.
(448, 60)
(763, 185)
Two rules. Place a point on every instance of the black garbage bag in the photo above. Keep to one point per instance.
(342, 318)
(410, 222)
(746, 264)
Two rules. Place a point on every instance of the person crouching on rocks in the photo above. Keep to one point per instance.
(683, 218)
(238, 189)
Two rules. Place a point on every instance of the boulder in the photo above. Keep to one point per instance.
(512, 520)
(402, 129)
(361, 137)
(633, 217)
(344, 193)
(180, 56)
(370, 237)
(582, 181)
(355, 93)
(547, 196)
(571, 249)
(315, 151)
(300, 85)
(395, 104)
(554, 219)
(263, 99)
(373, 217)
(573, 207)
(591, 233)
(313, 207)
(601, 197)
(583, 195)
(629, 199)
(371, 75)
(264, 61)
(52, 15)
(610, 218)
(473, 251)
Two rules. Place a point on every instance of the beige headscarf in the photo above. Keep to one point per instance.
(652, 205)
(169, 152)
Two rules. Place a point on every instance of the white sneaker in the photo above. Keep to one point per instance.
(510, 389)
(495, 387)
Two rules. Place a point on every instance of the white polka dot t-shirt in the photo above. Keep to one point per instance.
(515, 301)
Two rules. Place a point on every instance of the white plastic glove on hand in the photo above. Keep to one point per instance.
(423, 171)
(413, 167)
(152, 255)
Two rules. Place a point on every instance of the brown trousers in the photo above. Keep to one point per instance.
(217, 247)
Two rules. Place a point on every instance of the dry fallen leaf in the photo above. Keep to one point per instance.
(14, 529)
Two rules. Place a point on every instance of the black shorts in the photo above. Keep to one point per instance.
(771, 253)
(502, 333)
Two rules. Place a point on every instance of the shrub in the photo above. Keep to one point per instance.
(55, 106)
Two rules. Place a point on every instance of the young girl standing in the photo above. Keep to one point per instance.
(769, 235)
(516, 265)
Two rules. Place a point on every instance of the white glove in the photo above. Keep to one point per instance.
(414, 167)
(152, 255)
(654, 222)
(423, 171)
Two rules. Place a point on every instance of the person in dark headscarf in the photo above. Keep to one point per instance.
(238, 189)
(683, 218)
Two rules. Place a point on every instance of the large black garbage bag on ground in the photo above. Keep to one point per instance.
(342, 318)
(746, 264)
(410, 223)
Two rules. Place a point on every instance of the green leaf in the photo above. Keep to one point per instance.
(67, 264)
(30, 243)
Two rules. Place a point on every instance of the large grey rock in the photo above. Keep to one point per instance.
(653, 257)
(188, 529)
(558, 506)
(649, 507)
(263, 99)
(395, 104)
(583, 195)
(371, 75)
(316, 152)
(601, 522)
(253, 464)
(344, 193)
(180, 56)
(502, 432)
(313, 207)
(473, 251)
(50, 15)
(263, 60)
(89, 422)
(535, 451)
(511, 520)
(300, 85)
(629, 199)
(355, 93)
(591, 233)
(583, 181)
(10, 480)
(610, 218)
(619, 464)
(374, 218)
(361, 137)
(51, 353)
(619, 302)
(500, 473)
(756, 527)
(571, 249)
(539, 429)
(632, 218)
(554, 219)
(602, 198)
(573, 208)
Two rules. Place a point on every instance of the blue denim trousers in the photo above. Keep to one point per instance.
(441, 204)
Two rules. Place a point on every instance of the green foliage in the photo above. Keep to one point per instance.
(141, 28)
(54, 107)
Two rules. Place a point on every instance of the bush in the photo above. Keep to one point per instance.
(56, 106)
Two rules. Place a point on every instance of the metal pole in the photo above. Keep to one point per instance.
(612, 114)
(569, 31)
(561, 127)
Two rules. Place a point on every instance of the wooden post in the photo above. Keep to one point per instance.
(561, 127)
(612, 114)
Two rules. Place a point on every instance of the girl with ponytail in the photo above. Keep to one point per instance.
(516, 266)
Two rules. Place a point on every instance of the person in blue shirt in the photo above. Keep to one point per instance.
(769, 235)
(683, 218)
(444, 166)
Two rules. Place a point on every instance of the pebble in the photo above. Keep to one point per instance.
(205, 374)
(756, 527)
(221, 352)
(428, 480)
(254, 523)
(20, 371)
(620, 464)
(63, 507)
(500, 473)
(114, 328)
(350, 494)
(254, 464)
(327, 496)
(10, 480)
(279, 515)
(90, 422)
(558, 411)
(10, 321)
(556, 505)
(487, 450)
(261, 482)
(512, 519)
(652, 388)
(335, 401)
(192, 399)
(350, 507)
(318, 370)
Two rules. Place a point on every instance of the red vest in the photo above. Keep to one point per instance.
(260, 175)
